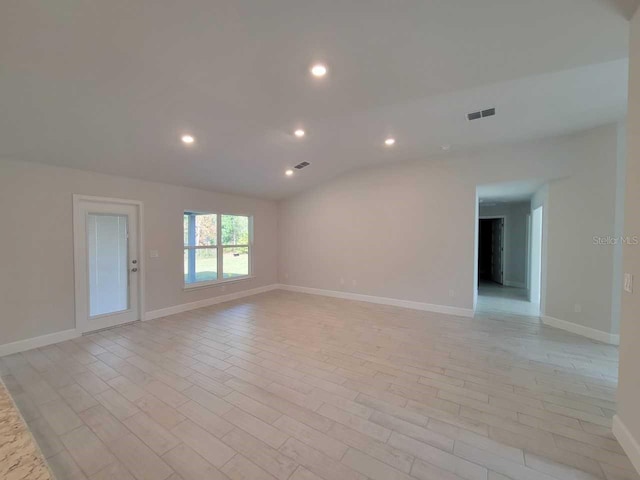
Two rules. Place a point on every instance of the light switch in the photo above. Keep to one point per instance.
(154, 253)
(628, 282)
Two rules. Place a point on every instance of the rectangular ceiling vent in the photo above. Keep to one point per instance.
(302, 165)
(490, 112)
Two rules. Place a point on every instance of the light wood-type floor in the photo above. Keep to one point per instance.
(299, 387)
(493, 297)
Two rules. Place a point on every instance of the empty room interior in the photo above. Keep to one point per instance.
(295, 240)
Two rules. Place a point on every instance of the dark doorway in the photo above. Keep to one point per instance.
(490, 250)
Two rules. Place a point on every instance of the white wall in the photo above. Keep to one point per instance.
(516, 229)
(36, 243)
(627, 423)
(579, 269)
(407, 231)
(621, 175)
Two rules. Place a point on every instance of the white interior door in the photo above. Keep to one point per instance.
(536, 255)
(107, 263)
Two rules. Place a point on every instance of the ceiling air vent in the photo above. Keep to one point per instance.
(490, 112)
(302, 165)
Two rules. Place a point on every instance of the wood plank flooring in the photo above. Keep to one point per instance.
(290, 386)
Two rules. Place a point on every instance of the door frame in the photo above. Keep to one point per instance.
(81, 302)
(539, 261)
(504, 241)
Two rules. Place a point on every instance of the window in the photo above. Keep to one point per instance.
(216, 247)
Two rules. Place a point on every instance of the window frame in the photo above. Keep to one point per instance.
(219, 246)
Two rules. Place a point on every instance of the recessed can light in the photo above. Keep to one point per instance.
(446, 148)
(390, 141)
(319, 70)
(188, 139)
(299, 133)
(288, 173)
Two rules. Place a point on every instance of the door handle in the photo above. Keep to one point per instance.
(134, 270)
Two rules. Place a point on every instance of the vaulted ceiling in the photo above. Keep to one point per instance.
(111, 86)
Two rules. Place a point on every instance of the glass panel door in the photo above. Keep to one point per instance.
(108, 263)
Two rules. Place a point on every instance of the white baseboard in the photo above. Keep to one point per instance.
(429, 307)
(588, 332)
(185, 307)
(628, 443)
(44, 340)
(37, 342)
(509, 283)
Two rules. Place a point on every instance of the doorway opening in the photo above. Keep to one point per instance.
(504, 265)
(491, 249)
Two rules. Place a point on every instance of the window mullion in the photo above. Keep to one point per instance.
(191, 256)
(250, 246)
(219, 246)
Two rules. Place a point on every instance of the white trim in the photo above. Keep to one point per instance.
(51, 338)
(539, 262)
(588, 332)
(509, 283)
(185, 307)
(527, 255)
(628, 443)
(142, 261)
(429, 307)
(37, 342)
(217, 283)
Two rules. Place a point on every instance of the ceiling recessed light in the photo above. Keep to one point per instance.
(319, 70)
(299, 133)
(288, 173)
(389, 141)
(188, 139)
(446, 148)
